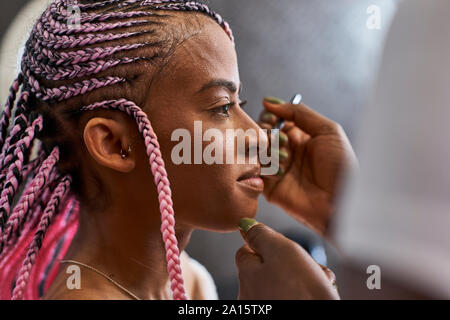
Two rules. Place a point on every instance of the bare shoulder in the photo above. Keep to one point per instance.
(198, 281)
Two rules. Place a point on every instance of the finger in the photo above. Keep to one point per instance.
(262, 239)
(283, 141)
(265, 125)
(282, 151)
(247, 260)
(329, 273)
(283, 156)
(288, 125)
(268, 117)
(309, 121)
(282, 137)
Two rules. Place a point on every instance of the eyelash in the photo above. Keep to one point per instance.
(229, 106)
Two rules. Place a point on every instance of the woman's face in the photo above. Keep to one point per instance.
(197, 84)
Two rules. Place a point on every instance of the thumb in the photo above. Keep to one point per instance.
(260, 238)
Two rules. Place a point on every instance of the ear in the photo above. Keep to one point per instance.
(104, 139)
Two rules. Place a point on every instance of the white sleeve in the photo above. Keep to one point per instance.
(396, 211)
(205, 281)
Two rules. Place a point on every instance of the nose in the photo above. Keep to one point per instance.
(253, 142)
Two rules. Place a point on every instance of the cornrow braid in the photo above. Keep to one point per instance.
(77, 71)
(96, 27)
(97, 5)
(100, 17)
(64, 42)
(80, 56)
(62, 63)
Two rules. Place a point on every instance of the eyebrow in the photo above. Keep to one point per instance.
(229, 85)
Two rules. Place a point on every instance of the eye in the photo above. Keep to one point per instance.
(225, 109)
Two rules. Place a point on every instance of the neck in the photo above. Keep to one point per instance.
(127, 245)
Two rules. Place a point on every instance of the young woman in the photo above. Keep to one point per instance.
(101, 94)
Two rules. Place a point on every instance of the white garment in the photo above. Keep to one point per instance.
(396, 212)
(197, 277)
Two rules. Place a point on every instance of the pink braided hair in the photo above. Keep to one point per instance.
(4, 121)
(56, 54)
(53, 205)
(12, 176)
(29, 196)
(162, 184)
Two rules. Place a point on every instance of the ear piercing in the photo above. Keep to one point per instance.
(124, 154)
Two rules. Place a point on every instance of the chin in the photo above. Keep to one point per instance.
(222, 209)
(226, 219)
(248, 211)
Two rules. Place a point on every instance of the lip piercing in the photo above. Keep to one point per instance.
(124, 154)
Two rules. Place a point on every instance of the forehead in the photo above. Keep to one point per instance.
(206, 54)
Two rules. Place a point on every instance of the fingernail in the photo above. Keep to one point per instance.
(268, 117)
(246, 223)
(283, 155)
(283, 138)
(274, 100)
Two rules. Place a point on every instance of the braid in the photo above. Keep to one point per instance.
(20, 124)
(14, 173)
(96, 27)
(56, 59)
(30, 195)
(97, 5)
(61, 64)
(52, 207)
(77, 71)
(35, 165)
(4, 121)
(65, 42)
(162, 184)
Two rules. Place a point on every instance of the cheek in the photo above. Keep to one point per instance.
(206, 197)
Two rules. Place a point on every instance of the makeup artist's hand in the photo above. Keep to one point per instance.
(314, 152)
(272, 266)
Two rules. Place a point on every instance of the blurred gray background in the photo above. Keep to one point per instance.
(320, 48)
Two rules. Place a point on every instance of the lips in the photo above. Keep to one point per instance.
(254, 172)
(252, 179)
